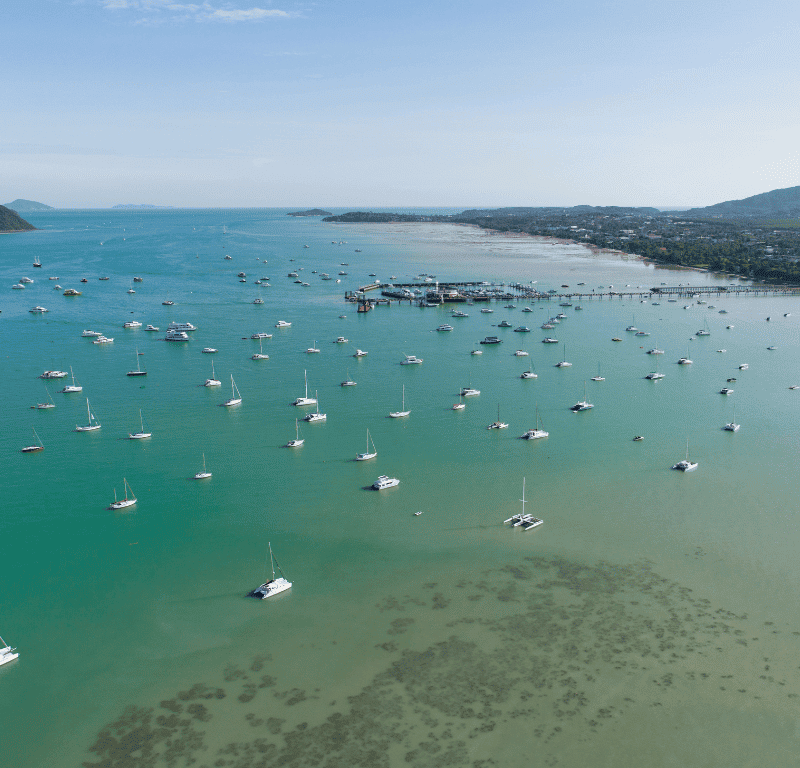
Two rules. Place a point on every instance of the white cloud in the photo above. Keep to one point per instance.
(250, 14)
(149, 9)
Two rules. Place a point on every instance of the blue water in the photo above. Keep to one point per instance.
(415, 638)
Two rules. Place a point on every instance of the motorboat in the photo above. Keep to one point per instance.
(445, 327)
(368, 454)
(181, 327)
(282, 324)
(305, 400)
(168, 303)
(38, 310)
(492, 339)
(384, 481)
(91, 334)
(504, 324)
(654, 375)
(726, 391)
(152, 328)
(411, 360)
(520, 353)
(132, 324)
(527, 309)
(459, 313)
(769, 348)
(275, 585)
(53, 375)
(340, 340)
(209, 350)
(258, 301)
(641, 333)
(655, 351)
(487, 311)
(549, 340)
(743, 367)
(522, 329)
(104, 340)
(25, 280)
(638, 438)
(476, 352)
(173, 335)
(261, 335)
(18, 287)
(360, 353)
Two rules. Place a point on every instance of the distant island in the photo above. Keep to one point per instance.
(27, 206)
(312, 212)
(11, 221)
(757, 237)
(140, 205)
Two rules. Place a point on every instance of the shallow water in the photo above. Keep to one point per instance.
(608, 635)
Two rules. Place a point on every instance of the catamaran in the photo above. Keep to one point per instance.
(275, 585)
(685, 465)
(536, 432)
(141, 434)
(732, 426)
(583, 405)
(213, 381)
(498, 424)
(7, 653)
(368, 454)
(402, 412)
(235, 398)
(93, 423)
(522, 519)
(126, 502)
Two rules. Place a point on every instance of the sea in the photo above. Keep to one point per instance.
(651, 620)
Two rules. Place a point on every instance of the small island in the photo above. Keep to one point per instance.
(11, 221)
(312, 212)
(27, 206)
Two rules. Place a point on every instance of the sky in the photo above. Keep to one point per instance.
(357, 104)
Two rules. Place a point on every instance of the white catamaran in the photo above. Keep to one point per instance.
(7, 653)
(275, 585)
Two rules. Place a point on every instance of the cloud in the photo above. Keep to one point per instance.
(151, 10)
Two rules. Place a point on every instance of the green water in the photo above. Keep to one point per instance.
(650, 621)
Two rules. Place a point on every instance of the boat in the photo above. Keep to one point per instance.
(93, 423)
(298, 441)
(261, 335)
(204, 474)
(213, 381)
(275, 585)
(258, 301)
(104, 340)
(167, 303)
(91, 334)
(641, 333)
(25, 280)
(655, 375)
(582, 405)
(173, 335)
(460, 405)
(209, 350)
(384, 481)
(632, 327)
(537, 432)
(685, 465)
(141, 434)
(18, 287)
(132, 324)
(732, 426)
(72, 387)
(726, 391)
(616, 339)
(529, 374)
(47, 405)
(743, 367)
(360, 353)
(504, 324)
(598, 377)
(38, 310)
(549, 340)
(402, 412)
(36, 262)
(476, 352)
(126, 502)
(685, 360)
(469, 392)
(37, 446)
(547, 326)
(498, 424)
(138, 279)
(260, 354)
(53, 375)
(316, 416)
(235, 398)
(487, 311)
(340, 340)
(282, 324)
(492, 340)
(411, 360)
(7, 653)
(138, 371)
(459, 313)
(655, 351)
(520, 353)
(152, 328)
(305, 400)
(181, 327)
(638, 438)
(522, 519)
(704, 331)
(771, 348)
(348, 382)
(522, 329)
(563, 363)
(368, 454)
(445, 327)
(312, 349)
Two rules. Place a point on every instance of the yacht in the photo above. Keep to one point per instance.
(38, 310)
(638, 438)
(126, 502)
(36, 447)
(175, 336)
(469, 392)
(316, 416)
(241, 274)
(72, 387)
(492, 340)
(498, 424)
(46, 405)
(368, 454)
(529, 374)
(181, 327)
(132, 324)
(726, 391)
(141, 434)
(235, 398)
(743, 367)
(685, 465)
(684, 361)
(360, 353)
(411, 360)
(654, 375)
(103, 340)
(520, 353)
(385, 482)
(282, 324)
(549, 340)
(275, 585)
(312, 350)
(138, 371)
(537, 432)
(204, 474)
(25, 280)
(476, 352)
(732, 426)
(459, 313)
(152, 328)
(261, 335)
(213, 381)
(522, 329)
(209, 350)
(93, 423)
(770, 348)
(6, 652)
(258, 301)
(53, 375)
(402, 412)
(305, 400)
(655, 351)
(641, 333)
(504, 324)
(93, 334)
(445, 327)
(487, 311)
(292, 274)
(340, 340)
(523, 519)
(168, 303)
(582, 405)
(260, 354)
(563, 363)
(460, 405)
(547, 326)
(18, 287)
(527, 309)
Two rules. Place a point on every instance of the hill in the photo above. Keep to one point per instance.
(312, 212)
(777, 204)
(11, 221)
(26, 206)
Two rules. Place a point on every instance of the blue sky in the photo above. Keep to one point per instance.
(357, 104)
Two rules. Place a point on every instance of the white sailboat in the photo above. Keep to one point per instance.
(298, 441)
(305, 400)
(348, 382)
(7, 653)
(732, 426)
(685, 465)
(537, 431)
(498, 424)
(582, 405)
(368, 454)
(72, 387)
(260, 354)
(402, 412)
(275, 585)
(126, 502)
(204, 474)
(529, 374)
(37, 446)
(522, 519)
(598, 377)
(47, 405)
(564, 363)
(141, 434)
(316, 416)
(235, 398)
(93, 423)
(213, 381)
(138, 371)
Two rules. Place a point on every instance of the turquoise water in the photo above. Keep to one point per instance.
(607, 636)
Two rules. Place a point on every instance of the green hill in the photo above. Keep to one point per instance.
(777, 204)
(26, 206)
(11, 221)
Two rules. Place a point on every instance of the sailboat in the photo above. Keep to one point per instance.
(213, 381)
(685, 465)
(72, 387)
(275, 585)
(141, 434)
(498, 424)
(138, 371)
(306, 400)
(521, 519)
(402, 412)
(38, 446)
(582, 405)
(367, 454)
(43, 406)
(93, 423)
(537, 432)
(6, 651)
(598, 377)
(316, 416)
(348, 382)
(236, 398)
(460, 405)
(704, 330)
(298, 441)
(529, 374)
(632, 326)
(36, 262)
(655, 375)
(260, 354)
(202, 475)
(732, 426)
(685, 360)
(564, 363)
(126, 502)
